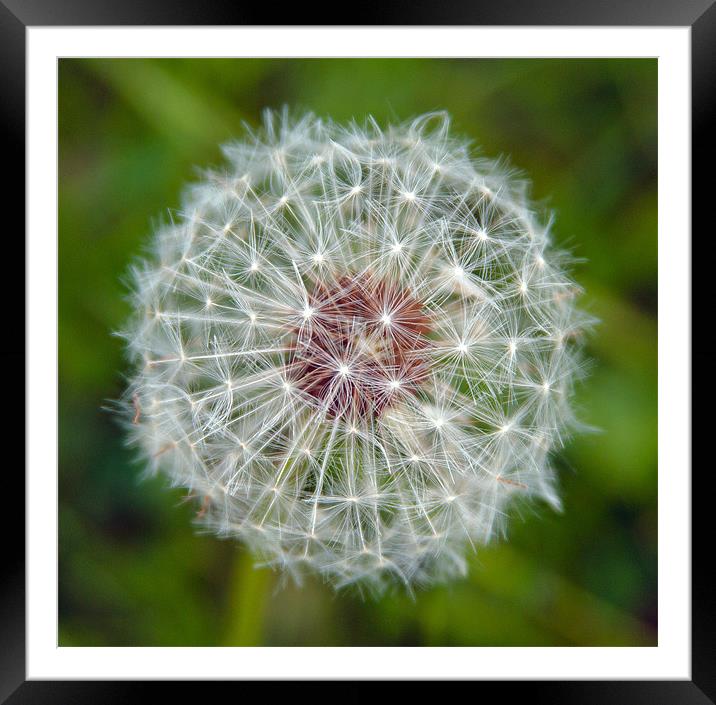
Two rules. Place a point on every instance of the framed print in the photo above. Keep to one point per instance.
(358, 352)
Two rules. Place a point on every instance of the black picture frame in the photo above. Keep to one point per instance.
(17, 15)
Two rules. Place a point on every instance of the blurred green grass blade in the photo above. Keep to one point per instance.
(173, 109)
(554, 602)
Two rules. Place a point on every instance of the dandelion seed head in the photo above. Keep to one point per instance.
(359, 344)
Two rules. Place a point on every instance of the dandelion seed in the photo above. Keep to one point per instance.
(353, 378)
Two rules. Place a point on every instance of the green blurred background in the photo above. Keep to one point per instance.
(132, 569)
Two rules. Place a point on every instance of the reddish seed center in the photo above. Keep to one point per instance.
(362, 345)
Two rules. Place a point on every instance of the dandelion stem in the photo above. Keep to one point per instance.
(248, 589)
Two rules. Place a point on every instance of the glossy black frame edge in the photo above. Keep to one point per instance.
(16, 15)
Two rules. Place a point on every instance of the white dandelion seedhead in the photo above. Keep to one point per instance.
(355, 347)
